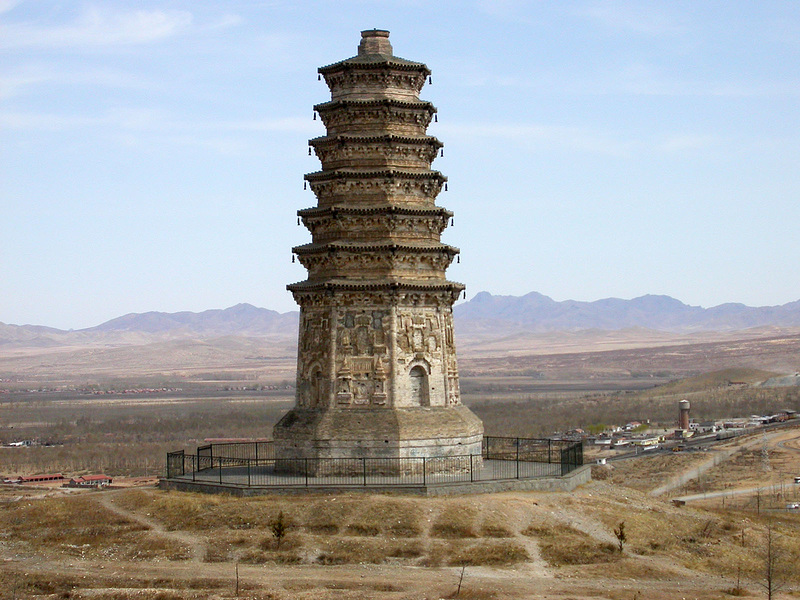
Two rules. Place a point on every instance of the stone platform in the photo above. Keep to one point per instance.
(432, 432)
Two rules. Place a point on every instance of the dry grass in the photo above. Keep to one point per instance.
(469, 593)
(496, 525)
(493, 553)
(708, 541)
(79, 526)
(455, 521)
(573, 533)
(649, 472)
(384, 516)
(563, 545)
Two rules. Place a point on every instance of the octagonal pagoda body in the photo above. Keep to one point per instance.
(376, 367)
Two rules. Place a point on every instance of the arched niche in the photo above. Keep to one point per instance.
(420, 394)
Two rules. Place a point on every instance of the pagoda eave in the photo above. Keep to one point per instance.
(387, 137)
(389, 209)
(373, 174)
(374, 61)
(358, 103)
(374, 247)
(393, 286)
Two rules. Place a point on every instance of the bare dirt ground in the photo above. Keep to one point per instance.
(146, 543)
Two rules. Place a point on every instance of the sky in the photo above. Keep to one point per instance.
(152, 153)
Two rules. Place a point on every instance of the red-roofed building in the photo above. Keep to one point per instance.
(90, 481)
(26, 479)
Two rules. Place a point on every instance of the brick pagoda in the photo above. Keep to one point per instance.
(376, 366)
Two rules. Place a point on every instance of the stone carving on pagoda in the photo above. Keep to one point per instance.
(376, 369)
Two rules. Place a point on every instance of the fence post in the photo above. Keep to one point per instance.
(549, 451)
(364, 470)
(470, 469)
(219, 463)
(424, 472)
(305, 469)
(517, 458)
(248, 472)
(194, 466)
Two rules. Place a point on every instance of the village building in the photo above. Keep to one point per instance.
(90, 481)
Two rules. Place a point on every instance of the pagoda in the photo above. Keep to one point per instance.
(376, 366)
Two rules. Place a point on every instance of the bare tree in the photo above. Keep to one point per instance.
(774, 567)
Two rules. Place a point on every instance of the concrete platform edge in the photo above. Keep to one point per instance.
(566, 483)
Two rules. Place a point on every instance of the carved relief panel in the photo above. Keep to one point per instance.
(312, 358)
(362, 356)
(422, 349)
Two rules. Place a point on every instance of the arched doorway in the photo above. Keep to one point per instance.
(419, 386)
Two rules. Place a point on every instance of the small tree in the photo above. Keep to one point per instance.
(620, 533)
(774, 572)
(279, 526)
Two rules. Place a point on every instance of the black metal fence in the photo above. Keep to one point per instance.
(254, 464)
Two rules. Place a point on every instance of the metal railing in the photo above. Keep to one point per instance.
(254, 464)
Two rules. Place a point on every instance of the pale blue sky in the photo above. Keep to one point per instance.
(152, 153)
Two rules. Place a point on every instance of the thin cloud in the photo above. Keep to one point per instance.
(504, 9)
(99, 28)
(543, 136)
(633, 80)
(640, 19)
(7, 5)
(687, 142)
(285, 124)
(44, 121)
(153, 119)
(575, 139)
(21, 80)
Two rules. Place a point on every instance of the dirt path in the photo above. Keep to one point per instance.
(358, 582)
(196, 546)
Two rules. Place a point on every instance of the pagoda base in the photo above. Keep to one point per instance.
(395, 441)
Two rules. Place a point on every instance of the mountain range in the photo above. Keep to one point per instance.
(539, 313)
(482, 316)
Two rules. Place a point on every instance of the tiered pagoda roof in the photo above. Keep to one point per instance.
(376, 224)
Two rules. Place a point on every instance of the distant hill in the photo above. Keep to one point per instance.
(536, 312)
(240, 319)
(485, 317)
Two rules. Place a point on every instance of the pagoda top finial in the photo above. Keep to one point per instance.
(375, 41)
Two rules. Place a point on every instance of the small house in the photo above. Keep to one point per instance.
(90, 481)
